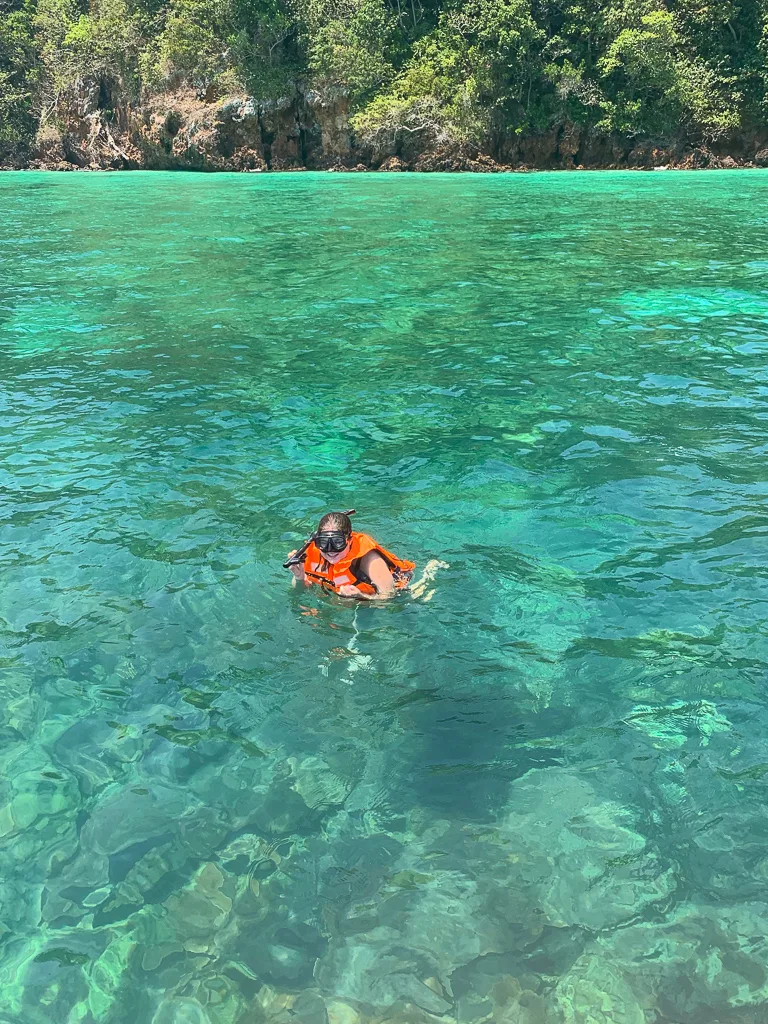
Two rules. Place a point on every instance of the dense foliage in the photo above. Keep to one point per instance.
(465, 71)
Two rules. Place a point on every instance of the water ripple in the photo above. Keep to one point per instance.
(539, 792)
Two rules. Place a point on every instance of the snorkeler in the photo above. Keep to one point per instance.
(347, 563)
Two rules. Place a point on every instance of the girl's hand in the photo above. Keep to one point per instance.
(348, 590)
(297, 570)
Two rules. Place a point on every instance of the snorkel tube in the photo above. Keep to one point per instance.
(298, 557)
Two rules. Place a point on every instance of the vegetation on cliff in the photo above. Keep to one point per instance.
(470, 73)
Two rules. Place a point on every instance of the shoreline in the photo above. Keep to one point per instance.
(180, 131)
(499, 169)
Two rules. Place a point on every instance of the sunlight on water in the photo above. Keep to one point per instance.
(537, 798)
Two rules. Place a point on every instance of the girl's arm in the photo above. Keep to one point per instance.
(377, 571)
(297, 570)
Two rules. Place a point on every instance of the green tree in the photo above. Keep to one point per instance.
(19, 71)
(193, 41)
(265, 46)
(348, 43)
(474, 74)
(657, 84)
(95, 45)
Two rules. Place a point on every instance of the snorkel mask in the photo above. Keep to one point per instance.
(331, 542)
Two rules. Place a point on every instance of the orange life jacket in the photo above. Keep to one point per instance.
(348, 570)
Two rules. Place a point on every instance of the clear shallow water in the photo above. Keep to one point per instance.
(538, 797)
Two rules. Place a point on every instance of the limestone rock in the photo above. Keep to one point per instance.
(320, 787)
(596, 993)
(340, 1012)
(131, 815)
(309, 1008)
(330, 107)
(568, 146)
(539, 150)
(181, 1011)
(283, 956)
(576, 856)
(199, 910)
(280, 810)
(393, 163)
(705, 962)
(49, 145)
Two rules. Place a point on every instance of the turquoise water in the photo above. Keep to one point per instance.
(538, 797)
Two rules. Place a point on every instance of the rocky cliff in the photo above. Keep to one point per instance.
(98, 129)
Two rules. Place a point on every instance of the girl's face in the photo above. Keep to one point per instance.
(333, 544)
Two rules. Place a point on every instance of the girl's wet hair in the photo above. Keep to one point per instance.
(335, 521)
